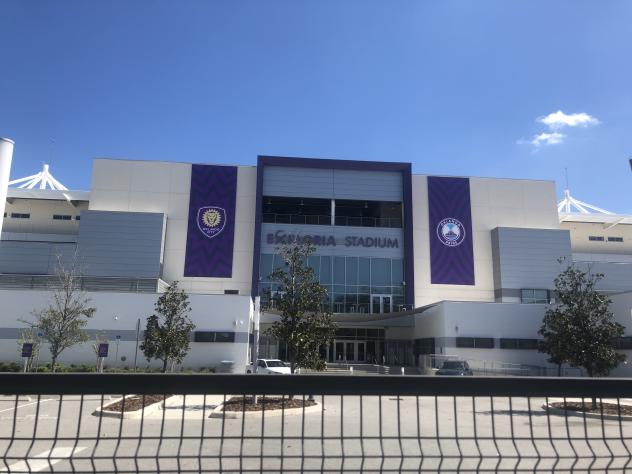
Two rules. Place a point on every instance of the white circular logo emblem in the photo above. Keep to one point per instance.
(451, 232)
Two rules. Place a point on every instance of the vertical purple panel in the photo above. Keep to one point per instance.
(450, 219)
(211, 229)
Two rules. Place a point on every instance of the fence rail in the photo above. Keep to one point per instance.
(206, 423)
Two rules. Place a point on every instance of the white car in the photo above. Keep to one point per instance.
(269, 366)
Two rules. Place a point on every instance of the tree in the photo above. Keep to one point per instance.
(580, 329)
(304, 326)
(62, 322)
(167, 333)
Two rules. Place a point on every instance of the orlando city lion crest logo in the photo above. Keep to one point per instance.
(211, 220)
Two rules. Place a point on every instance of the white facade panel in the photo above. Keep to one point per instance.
(117, 313)
(164, 187)
(495, 203)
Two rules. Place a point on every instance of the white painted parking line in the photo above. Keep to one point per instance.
(26, 405)
(39, 462)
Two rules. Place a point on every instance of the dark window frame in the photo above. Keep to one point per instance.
(475, 342)
(213, 336)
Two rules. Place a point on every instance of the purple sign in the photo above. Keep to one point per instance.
(450, 219)
(27, 349)
(103, 350)
(211, 229)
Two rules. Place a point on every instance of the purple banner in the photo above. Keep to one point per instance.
(211, 230)
(450, 219)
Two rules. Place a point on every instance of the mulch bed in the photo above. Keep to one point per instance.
(270, 403)
(135, 402)
(608, 408)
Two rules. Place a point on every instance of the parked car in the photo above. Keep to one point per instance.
(269, 366)
(455, 367)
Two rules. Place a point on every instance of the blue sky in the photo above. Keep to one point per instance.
(455, 87)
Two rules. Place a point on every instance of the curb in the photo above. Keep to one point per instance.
(232, 415)
(581, 414)
(136, 414)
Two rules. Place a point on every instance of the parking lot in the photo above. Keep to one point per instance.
(350, 433)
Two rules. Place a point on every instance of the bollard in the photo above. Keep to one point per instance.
(351, 370)
(403, 371)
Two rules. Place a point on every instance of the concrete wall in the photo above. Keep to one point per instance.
(163, 187)
(580, 231)
(41, 220)
(121, 244)
(495, 203)
(117, 314)
(449, 320)
(330, 183)
(527, 258)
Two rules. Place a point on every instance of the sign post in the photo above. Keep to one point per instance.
(102, 353)
(118, 340)
(27, 354)
(137, 338)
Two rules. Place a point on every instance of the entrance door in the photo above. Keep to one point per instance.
(349, 351)
(381, 304)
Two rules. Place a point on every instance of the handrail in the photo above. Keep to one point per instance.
(406, 385)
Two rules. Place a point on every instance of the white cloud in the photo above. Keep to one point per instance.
(559, 119)
(553, 138)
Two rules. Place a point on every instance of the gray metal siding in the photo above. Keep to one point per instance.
(33, 258)
(327, 183)
(121, 244)
(528, 258)
(617, 276)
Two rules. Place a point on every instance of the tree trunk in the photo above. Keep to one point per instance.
(559, 370)
(54, 364)
(164, 366)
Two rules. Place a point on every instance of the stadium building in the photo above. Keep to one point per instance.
(418, 268)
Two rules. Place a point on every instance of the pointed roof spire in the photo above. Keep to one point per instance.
(42, 179)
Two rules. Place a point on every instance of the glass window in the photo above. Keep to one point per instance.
(62, 217)
(364, 271)
(296, 210)
(506, 343)
(339, 303)
(398, 271)
(278, 262)
(314, 262)
(20, 215)
(534, 296)
(351, 303)
(224, 337)
(265, 266)
(380, 272)
(475, 342)
(352, 271)
(615, 239)
(362, 213)
(325, 270)
(339, 270)
(203, 336)
(596, 238)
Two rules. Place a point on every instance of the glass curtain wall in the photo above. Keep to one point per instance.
(354, 284)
